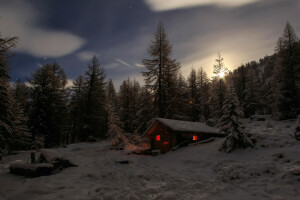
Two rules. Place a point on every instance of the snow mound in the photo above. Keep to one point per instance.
(231, 170)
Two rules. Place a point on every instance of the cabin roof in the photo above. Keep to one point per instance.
(178, 125)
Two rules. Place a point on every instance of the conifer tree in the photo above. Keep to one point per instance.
(96, 101)
(49, 108)
(22, 138)
(203, 97)
(77, 109)
(178, 106)
(218, 88)
(230, 124)
(114, 123)
(161, 73)
(287, 64)
(20, 109)
(126, 103)
(193, 96)
(129, 104)
(145, 114)
(111, 94)
(6, 120)
(252, 93)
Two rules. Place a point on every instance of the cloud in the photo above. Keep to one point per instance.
(239, 47)
(39, 65)
(139, 65)
(86, 55)
(21, 19)
(123, 62)
(164, 5)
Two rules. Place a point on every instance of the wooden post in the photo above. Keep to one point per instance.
(32, 156)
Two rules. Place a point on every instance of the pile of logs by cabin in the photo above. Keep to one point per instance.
(43, 163)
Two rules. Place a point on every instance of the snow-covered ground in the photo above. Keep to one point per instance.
(271, 170)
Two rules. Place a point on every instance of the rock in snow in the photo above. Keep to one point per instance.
(55, 158)
(31, 170)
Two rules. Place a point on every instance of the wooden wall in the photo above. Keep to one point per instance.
(167, 137)
(170, 138)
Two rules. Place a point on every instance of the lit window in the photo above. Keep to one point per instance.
(195, 137)
(158, 138)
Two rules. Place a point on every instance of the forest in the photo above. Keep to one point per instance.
(44, 112)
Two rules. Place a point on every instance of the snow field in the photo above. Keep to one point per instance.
(271, 170)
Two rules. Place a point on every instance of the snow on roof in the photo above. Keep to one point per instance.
(178, 125)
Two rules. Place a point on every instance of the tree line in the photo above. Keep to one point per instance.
(44, 112)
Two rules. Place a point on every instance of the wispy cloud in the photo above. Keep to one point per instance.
(123, 62)
(86, 55)
(39, 65)
(139, 65)
(21, 19)
(164, 5)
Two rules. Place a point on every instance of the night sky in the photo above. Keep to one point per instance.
(119, 32)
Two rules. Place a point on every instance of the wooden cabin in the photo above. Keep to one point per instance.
(164, 134)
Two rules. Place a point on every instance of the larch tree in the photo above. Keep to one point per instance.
(6, 121)
(182, 106)
(129, 104)
(20, 109)
(111, 94)
(193, 96)
(230, 124)
(252, 93)
(161, 72)
(203, 97)
(114, 123)
(22, 138)
(96, 117)
(126, 104)
(145, 114)
(49, 109)
(218, 89)
(287, 66)
(77, 109)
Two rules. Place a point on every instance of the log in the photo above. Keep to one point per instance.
(31, 170)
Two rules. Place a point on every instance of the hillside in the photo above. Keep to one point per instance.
(271, 170)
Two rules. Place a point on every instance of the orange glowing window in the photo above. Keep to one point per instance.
(166, 142)
(195, 137)
(158, 138)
